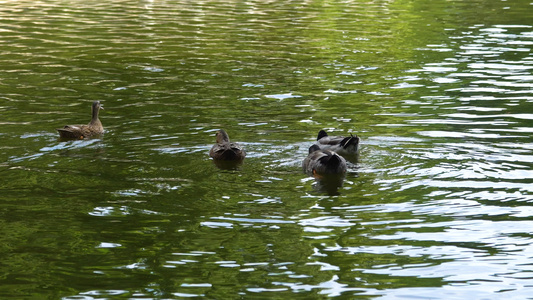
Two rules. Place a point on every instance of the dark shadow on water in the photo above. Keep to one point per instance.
(228, 164)
(329, 184)
(66, 139)
(353, 158)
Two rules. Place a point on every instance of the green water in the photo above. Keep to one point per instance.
(438, 206)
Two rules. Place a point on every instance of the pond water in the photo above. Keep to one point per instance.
(438, 206)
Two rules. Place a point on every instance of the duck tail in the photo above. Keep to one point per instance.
(227, 154)
(350, 141)
(313, 148)
(321, 134)
(331, 161)
(334, 160)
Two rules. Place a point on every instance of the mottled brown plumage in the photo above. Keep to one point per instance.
(225, 150)
(94, 127)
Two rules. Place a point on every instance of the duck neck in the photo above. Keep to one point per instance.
(95, 120)
(222, 137)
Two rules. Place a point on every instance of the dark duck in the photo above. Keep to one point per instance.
(322, 164)
(345, 146)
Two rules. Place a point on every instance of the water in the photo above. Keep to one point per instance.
(438, 206)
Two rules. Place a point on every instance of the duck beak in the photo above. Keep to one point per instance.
(101, 106)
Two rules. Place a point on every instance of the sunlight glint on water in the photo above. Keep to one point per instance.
(437, 206)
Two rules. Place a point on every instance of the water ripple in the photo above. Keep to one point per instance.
(443, 180)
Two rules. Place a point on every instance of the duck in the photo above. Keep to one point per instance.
(94, 127)
(345, 146)
(224, 150)
(322, 164)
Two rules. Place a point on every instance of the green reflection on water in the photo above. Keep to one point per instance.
(143, 212)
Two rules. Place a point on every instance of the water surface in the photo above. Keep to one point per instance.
(438, 206)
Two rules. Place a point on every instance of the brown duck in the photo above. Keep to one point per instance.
(84, 131)
(225, 150)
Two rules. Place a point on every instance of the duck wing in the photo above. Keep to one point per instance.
(227, 151)
(74, 131)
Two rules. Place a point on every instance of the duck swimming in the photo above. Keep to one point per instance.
(84, 131)
(324, 163)
(345, 146)
(225, 150)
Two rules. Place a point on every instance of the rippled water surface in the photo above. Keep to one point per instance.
(438, 206)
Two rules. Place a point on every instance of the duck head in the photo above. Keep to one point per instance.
(222, 137)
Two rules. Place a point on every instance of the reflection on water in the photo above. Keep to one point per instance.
(437, 203)
(329, 186)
